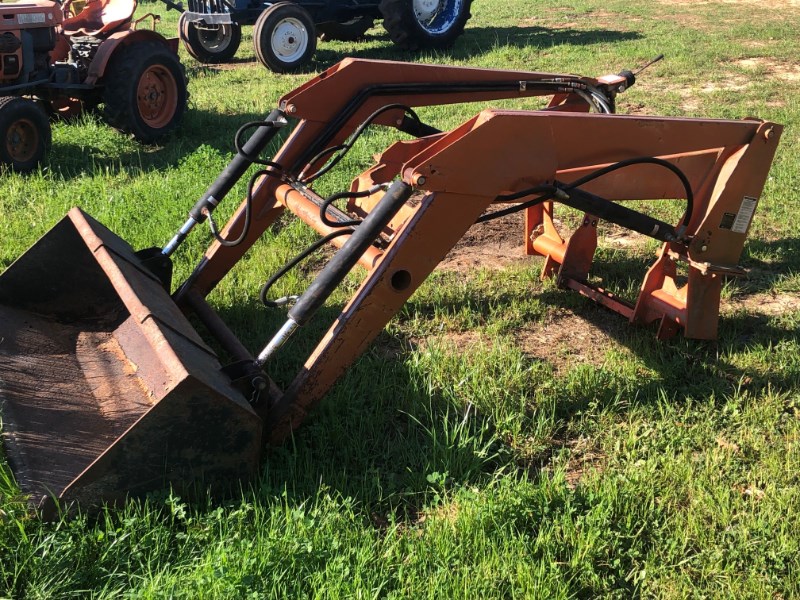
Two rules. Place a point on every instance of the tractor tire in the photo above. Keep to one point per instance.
(209, 44)
(25, 134)
(348, 31)
(424, 24)
(145, 91)
(284, 37)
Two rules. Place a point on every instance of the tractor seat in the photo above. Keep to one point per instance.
(99, 17)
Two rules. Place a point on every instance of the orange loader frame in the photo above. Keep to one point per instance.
(194, 418)
(499, 152)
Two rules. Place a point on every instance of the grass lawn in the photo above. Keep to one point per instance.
(502, 438)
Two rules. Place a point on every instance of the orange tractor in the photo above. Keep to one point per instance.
(120, 394)
(61, 65)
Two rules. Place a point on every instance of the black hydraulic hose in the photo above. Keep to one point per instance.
(338, 267)
(547, 191)
(550, 191)
(316, 245)
(417, 128)
(249, 153)
(617, 213)
(323, 209)
(245, 156)
(347, 256)
(562, 85)
(687, 186)
(343, 149)
(291, 265)
(248, 210)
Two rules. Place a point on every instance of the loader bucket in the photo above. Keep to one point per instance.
(106, 390)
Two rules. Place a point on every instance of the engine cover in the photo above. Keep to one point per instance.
(30, 22)
(29, 14)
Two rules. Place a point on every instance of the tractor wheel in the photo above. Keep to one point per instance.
(209, 43)
(24, 133)
(349, 31)
(145, 91)
(418, 24)
(284, 37)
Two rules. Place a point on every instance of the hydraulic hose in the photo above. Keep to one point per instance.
(339, 266)
(246, 155)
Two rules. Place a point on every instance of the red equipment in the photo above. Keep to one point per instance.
(59, 65)
(160, 406)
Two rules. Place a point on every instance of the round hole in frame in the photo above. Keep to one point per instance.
(400, 280)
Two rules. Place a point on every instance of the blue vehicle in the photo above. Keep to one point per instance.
(285, 33)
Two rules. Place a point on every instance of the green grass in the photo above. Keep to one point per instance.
(454, 459)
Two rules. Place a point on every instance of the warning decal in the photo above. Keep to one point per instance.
(745, 215)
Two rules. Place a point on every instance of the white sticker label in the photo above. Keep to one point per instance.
(27, 18)
(745, 215)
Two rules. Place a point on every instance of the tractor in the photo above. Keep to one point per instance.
(285, 33)
(55, 63)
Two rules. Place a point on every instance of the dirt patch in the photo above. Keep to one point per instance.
(784, 71)
(565, 339)
(620, 237)
(491, 245)
(759, 3)
(444, 512)
(692, 97)
(584, 457)
(461, 341)
(765, 304)
(767, 68)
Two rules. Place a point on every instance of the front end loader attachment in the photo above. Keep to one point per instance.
(107, 389)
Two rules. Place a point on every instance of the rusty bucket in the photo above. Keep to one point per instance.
(106, 390)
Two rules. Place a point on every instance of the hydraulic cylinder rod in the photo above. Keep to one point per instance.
(339, 266)
(229, 177)
(616, 213)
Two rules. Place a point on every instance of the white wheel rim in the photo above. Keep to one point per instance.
(437, 17)
(426, 9)
(215, 40)
(289, 40)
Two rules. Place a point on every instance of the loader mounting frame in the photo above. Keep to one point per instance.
(499, 157)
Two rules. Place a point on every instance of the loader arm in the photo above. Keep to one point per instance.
(330, 107)
(163, 409)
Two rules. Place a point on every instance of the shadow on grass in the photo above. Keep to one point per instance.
(784, 258)
(384, 438)
(476, 41)
(379, 436)
(199, 128)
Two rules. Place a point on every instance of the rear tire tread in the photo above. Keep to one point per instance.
(190, 36)
(121, 79)
(37, 115)
(405, 31)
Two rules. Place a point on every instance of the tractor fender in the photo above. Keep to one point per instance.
(123, 38)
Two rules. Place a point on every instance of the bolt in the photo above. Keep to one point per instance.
(291, 109)
(769, 133)
(418, 179)
(703, 248)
